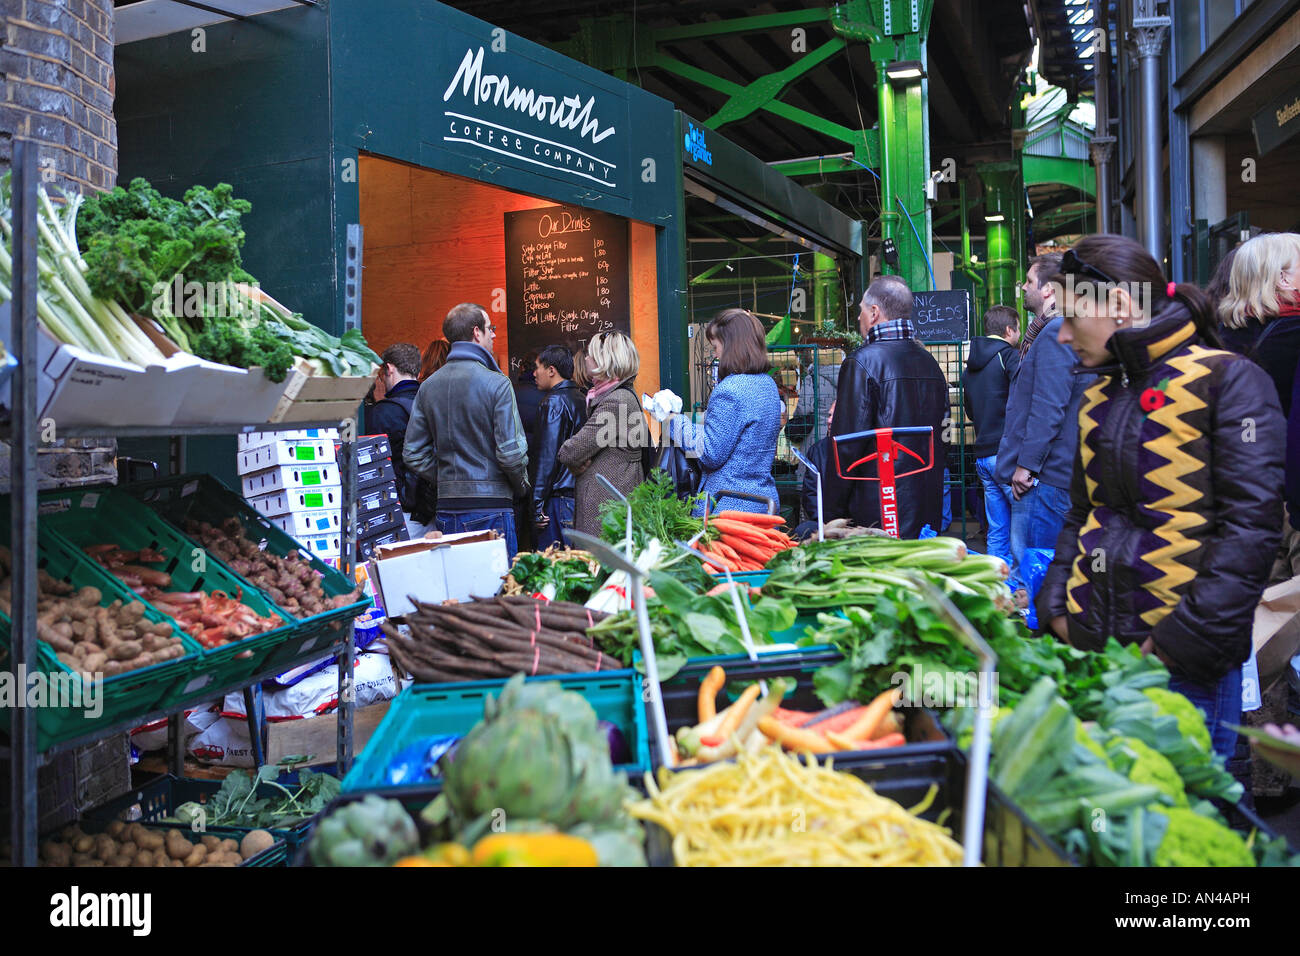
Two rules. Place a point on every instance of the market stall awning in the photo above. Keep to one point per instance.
(142, 19)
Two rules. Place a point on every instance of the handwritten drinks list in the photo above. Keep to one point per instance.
(566, 278)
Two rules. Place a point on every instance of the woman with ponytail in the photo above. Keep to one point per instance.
(1176, 504)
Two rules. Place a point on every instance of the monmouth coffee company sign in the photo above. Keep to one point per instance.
(515, 110)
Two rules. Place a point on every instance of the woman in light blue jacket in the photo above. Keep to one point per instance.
(736, 443)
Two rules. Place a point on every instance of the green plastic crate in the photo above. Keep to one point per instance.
(204, 498)
(160, 798)
(121, 695)
(100, 515)
(427, 710)
(277, 854)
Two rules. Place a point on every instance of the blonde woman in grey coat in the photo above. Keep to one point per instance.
(615, 434)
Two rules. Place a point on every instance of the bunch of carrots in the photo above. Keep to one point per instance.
(745, 541)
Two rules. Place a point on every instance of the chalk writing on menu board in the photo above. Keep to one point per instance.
(566, 278)
(942, 316)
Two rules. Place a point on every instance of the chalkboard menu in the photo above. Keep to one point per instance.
(566, 278)
(942, 316)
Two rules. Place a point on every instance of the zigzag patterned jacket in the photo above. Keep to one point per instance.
(1176, 502)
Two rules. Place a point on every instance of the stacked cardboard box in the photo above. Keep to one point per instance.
(379, 511)
(292, 477)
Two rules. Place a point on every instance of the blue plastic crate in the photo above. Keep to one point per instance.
(427, 710)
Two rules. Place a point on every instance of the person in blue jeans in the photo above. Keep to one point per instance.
(1041, 434)
(562, 413)
(991, 366)
(466, 435)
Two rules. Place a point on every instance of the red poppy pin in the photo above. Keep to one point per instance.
(1154, 398)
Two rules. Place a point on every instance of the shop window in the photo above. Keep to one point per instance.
(1220, 14)
(1187, 32)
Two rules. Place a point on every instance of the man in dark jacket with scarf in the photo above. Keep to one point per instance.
(562, 412)
(890, 382)
(399, 366)
(465, 432)
(990, 369)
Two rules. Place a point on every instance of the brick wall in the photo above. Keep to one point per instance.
(56, 73)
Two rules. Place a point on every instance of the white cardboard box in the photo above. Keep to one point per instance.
(277, 503)
(75, 387)
(456, 566)
(255, 439)
(315, 522)
(285, 452)
(290, 478)
(322, 546)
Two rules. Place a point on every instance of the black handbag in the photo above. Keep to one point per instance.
(684, 470)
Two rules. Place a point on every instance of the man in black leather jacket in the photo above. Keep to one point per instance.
(890, 382)
(561, 413)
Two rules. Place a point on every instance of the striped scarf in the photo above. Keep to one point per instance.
(1031, 333)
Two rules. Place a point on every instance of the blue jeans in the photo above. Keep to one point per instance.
(1036, 521)
(502, 522)
(997, 507)
(1219, 703)
(560, 510)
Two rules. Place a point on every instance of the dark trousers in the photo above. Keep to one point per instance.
(560, 510)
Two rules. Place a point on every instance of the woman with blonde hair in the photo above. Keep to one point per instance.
(615, 434)
(1264, 289)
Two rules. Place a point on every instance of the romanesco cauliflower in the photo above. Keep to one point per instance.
(1194, 840)
(1191, 722)
(1154, 768)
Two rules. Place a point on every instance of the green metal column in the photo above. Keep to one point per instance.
(903, 119)
(1002, 201)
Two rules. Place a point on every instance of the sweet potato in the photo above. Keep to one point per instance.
(94, 663)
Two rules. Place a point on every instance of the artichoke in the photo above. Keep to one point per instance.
(370, 832)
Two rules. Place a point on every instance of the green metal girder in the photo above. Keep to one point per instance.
(784, 110)
(765, 89)
(866, 153)
(1075, 173)
(1001, 196)
(754, 24)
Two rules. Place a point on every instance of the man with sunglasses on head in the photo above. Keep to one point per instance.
(1036, 453)
(465, 432)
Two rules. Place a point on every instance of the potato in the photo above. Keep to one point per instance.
(178, 848)
(113, 668)
(230, 846)
(116, 829)
(80, 859)
(125, 651)
(56, 854)
(211, 842)
(105, 848)
(93, 862)
(197, 855)
(149, 839)
(254, 842)
(83, 844)
(94, 663)
(144, 858)
(70, 832)
(120, 860)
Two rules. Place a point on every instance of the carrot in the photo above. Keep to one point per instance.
(793, 718)
(734, 717)
(708, 698)
(737, 529)
(726, 551)
(793, 738)
(843, 742)
(750, 517)
(754, 552)
(840, 721)
(892, 724)
(866, 725)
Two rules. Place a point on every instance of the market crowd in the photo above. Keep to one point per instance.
(1135, 446)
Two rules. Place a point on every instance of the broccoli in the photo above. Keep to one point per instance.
(1141, 764)
(1195, 840)
(1191, 722)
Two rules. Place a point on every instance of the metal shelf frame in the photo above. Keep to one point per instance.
(22, 432)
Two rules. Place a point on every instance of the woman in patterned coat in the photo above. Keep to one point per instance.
(1176, 503)
(736, 443)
